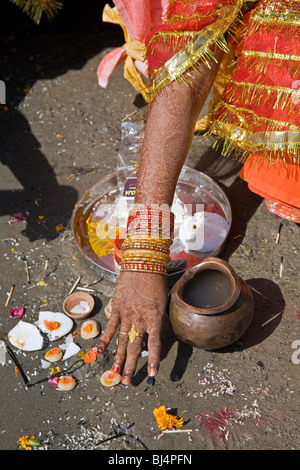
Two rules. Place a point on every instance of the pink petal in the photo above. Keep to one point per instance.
(17, 218)
(53, 381)
(16, 312)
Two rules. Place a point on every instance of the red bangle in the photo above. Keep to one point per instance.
(142, 267)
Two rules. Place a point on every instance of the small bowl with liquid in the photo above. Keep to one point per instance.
(210, 305)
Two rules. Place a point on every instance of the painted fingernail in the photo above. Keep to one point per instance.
(125, 380)
(115, 368)
(152, 372)
(101, 345)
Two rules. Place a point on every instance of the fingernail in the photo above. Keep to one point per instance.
(101, 345)
(115, 368)
(152, 372)
(125, 380)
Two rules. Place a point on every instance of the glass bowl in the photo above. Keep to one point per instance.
(100, 216)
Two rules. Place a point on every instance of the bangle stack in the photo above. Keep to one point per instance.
(149, 237)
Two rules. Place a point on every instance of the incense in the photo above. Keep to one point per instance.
(281, 267)
(27, 271)
(271, 319)
(85, 289)
(9, 295)
(75, 285)
(257, 291)
(278, 233)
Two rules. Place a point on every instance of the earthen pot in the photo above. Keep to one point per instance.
(210, 306)
(74, 299)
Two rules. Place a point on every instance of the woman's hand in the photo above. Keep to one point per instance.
(141, 300)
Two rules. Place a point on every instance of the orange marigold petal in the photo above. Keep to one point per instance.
(165, 420)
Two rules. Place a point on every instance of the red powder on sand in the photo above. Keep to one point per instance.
(297, 316)
(217, 424)
(221, 422)
(75, 333)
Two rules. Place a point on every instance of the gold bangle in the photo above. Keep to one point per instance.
(148, 236)
(149, 249)
(136, 259)
(161, 245)
(146, 253)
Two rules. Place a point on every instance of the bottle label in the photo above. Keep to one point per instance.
(129, 187)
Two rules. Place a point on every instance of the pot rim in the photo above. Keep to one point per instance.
(206, 264)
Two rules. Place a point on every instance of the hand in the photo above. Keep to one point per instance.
(141, 300)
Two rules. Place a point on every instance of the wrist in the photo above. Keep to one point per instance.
(149, 236)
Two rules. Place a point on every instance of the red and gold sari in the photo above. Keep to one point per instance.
(255, 107)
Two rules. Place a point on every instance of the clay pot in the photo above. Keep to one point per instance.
(210, 306)
(74, 299)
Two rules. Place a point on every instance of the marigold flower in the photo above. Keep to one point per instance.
(166, 420)
(59, 228)
(27, 442)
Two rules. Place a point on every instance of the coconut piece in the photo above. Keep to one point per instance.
(203, 231)
(71, 350)
(26, 336)
(54, 324)
(54, 355)
(110, 378)
(67, 340)
(107, 309)
(90, 329)
(82, 307)
(66, 383)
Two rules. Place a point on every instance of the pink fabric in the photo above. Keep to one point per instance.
(107, 65)
(136, 17)
(139, 17)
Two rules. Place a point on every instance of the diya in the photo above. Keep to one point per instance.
(210, 305)
(78, 305)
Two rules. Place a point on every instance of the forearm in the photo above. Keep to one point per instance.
(168, 135)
